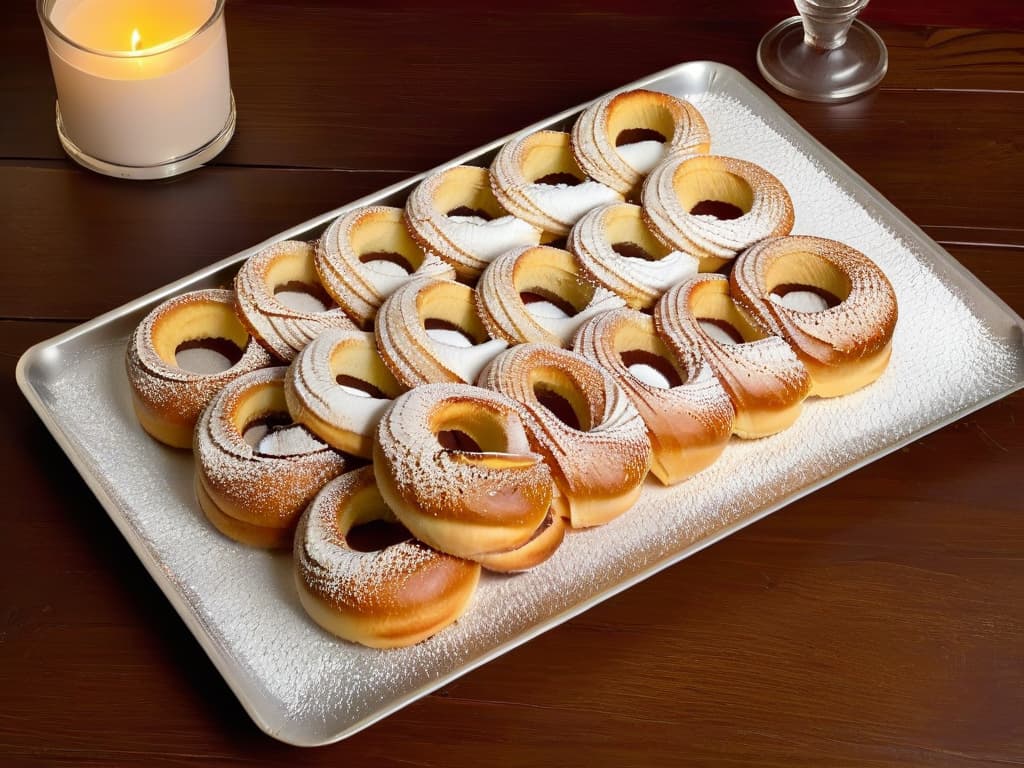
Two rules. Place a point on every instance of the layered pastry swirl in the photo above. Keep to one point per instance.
(584, 426)
(832, 304)
(617, 250)
(714, 207)
(688, 413)
(538, 294)
(430, 331)
(167, 395)
(455, 214)
(617, 140)
(285, 269)
(765, 380)
(365, 254)
(537, 178)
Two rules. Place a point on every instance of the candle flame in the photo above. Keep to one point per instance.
(136, 37)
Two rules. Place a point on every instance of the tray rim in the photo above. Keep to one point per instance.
(228, 667)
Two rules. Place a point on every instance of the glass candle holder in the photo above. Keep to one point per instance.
(143, 90)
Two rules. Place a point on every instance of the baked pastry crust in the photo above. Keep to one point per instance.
(616, 250)
(167, 398)
(600, 462)
(598, 131)
(319, 389)
(365, 254)
(545, 273)
(455, 214)
(251, 486)
(281, 329)
(844, 347)
(690, 421)
(537, 178)
(765, 380)
(487, 498)
(409, 351)
(390, 598)
(675, 188)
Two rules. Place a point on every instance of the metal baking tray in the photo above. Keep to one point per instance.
(957, 348)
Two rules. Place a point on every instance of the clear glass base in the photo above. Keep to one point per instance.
(174, 167)
(800, 70)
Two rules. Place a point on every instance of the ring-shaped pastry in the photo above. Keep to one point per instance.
(430, 331)
(536, 178)
(543, 544)
(583, 424)
(765, 379)
(455, 214)
(284, 329)
(618, 139)
(842, 330)
(365, 254)
(394, 595)
(167, 397)
(338, 388)
(617, 250)
(714, 207)
(454, 464)
(539, 294)
(256, 494)
(687, 412)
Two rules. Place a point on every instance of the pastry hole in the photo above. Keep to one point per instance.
(651, 369)
(275, 434)
(358, 387)
(546, 305)
(207, 355)
(718, 209)
(636, 135)
(388, 263)
(303, 297)
(375, 535)
(457, 440)
(804, 298)
(564, 402)
(721, 331)
(558, 178)
(633, 251)
(445, 332)
(464, 211)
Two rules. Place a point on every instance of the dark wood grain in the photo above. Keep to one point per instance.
(877, 622)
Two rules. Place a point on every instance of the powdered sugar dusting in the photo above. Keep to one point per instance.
(308, 686)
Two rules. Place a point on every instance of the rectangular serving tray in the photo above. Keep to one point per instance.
(303, 686)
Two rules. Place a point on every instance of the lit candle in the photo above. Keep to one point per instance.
(142, 85)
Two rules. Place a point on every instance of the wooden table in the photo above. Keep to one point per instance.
(878, 622)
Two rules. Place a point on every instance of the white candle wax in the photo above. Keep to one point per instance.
(140, 83)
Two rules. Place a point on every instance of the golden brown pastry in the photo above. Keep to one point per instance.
(454, 464)
(536, 178)
(618, 139)
(543, 544)
(361, 576)
(687, 412)
(181, 355)
(583, 424)
(279, 298)
(365, 254)
(832, 304)
(429, 331)
(455, 214)
(765, 380)
(538, 294)
(255, 491)
(338, 387)
(617, 250)
(714, 207)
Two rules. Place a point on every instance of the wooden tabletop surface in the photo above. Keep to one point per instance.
(879, 621)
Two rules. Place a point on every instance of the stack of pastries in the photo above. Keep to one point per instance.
(428, 392)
